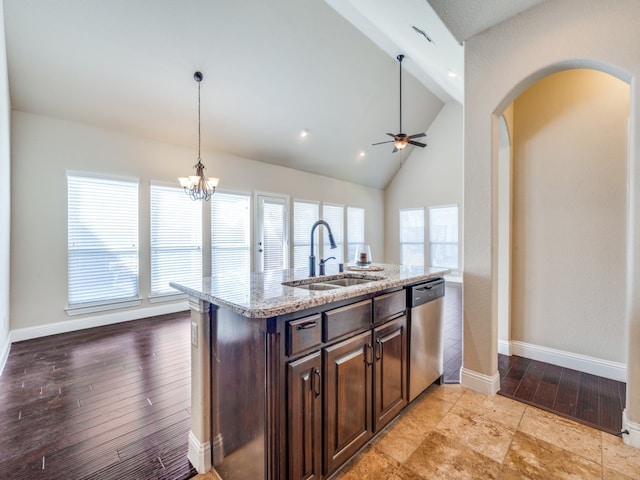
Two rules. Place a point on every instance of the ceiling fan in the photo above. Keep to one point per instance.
(401, 140)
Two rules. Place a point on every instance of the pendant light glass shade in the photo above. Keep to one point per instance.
(197, 186)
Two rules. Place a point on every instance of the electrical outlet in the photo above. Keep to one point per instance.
(194, 334)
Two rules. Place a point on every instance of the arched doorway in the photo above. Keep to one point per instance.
(562, 224)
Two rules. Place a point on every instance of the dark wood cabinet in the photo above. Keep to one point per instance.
(390, 347)
(348, 399)
(305, 418)
(359, 350)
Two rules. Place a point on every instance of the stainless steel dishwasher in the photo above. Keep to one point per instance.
(425, 331)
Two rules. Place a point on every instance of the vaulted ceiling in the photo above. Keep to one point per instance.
(271, 69)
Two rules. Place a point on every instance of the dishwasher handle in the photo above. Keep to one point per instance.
(425, 292)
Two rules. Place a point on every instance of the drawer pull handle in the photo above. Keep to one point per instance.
(307, 325)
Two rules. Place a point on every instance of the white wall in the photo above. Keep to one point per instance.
(569, 214)
(430, 176)
(500, 63)
(5, 195)
(46, 148)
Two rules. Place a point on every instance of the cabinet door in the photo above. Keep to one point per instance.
(390, 347)
(304, 419)
(348, 399)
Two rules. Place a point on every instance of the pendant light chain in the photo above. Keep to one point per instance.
(197, 186)
(199, 81)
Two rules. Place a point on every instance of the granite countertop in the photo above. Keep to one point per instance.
(262, 295)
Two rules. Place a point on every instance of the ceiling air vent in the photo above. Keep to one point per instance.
(423, 33)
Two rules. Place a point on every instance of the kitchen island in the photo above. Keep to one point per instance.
(291, 376)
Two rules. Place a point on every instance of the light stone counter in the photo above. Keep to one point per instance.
(262, 295)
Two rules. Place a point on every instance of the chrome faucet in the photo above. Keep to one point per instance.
(312, 257)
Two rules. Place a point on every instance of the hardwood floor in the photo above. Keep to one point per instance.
(452, 333)
(586, 398)
(107, 403)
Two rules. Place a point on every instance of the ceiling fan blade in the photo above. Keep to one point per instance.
(417, 144)
(391, 135)
(394, 149)
(417, 135)
(380, 143)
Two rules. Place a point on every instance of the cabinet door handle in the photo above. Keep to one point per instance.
(316, 382)
(368, 348)
(379, 343)
(307, 325)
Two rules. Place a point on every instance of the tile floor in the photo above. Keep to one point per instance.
(455, 433)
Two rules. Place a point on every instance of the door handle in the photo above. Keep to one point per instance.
(379, 343)
(316, 382)
(368, 348)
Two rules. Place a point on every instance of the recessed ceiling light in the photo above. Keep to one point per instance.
(304, 132)
(362, 153)
(452, 74)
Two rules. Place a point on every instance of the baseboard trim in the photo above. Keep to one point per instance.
(583, 363)
(487, 384)
(29, 333)
(632, 438)
(4, 353)
(199, 454)
(504, 347)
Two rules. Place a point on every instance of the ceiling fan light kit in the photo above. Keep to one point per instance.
(401, 140)
(197, 186)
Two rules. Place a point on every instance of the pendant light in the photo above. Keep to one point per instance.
(197, 186)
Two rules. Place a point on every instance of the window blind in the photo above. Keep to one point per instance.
(355, 231)
(176, 239)
(274, 239)
(443, 237)
(230, 233)
(305, 214)
(412, 236)
(334, 216)
(102, 234)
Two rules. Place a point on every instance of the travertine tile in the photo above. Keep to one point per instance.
(496, 407)
(563, 433)
(439, 457)
(402, 438)
(482, 434)
(403, 473)
(609, 474)
(532, 458)
(447, 392)
(619, 457)
(429, 412)
(369, 465)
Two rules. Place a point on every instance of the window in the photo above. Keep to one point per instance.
(176, 239)
(334, 216)
(230, 233)
(412, 236)
(355, 231)
(102, 248)
(443, 237)
(305, 214)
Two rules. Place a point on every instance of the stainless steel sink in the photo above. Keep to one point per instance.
(347, 282)
(331, 282)
(318, 286)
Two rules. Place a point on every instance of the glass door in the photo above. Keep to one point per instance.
(272, 225)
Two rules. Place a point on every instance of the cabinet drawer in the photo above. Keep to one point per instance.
(349, 319)
(303, 334)
(389, 305)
